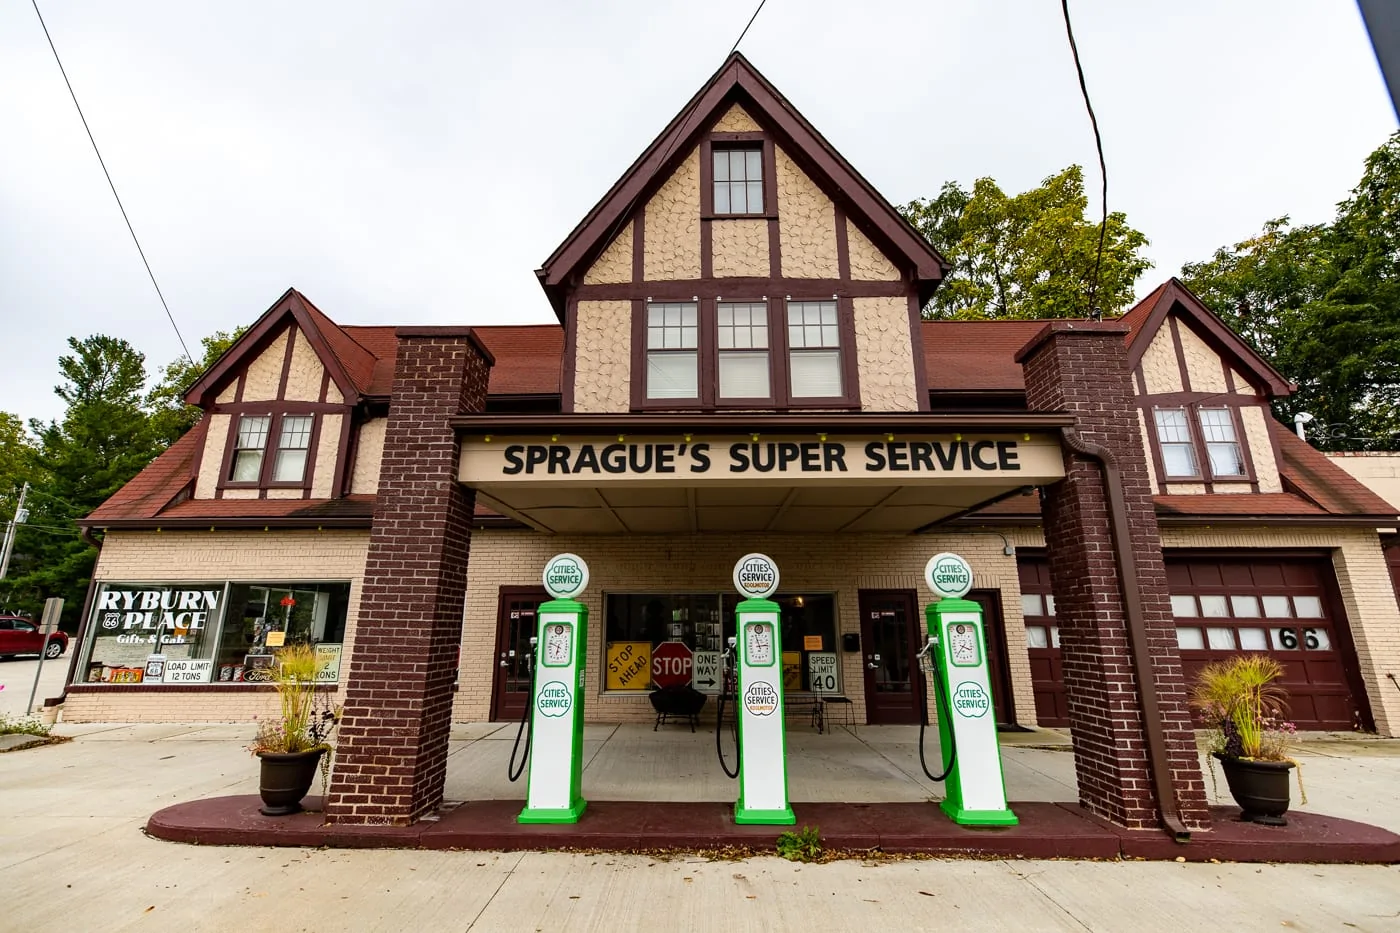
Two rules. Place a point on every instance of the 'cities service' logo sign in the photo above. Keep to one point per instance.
(970, 700)
(948, 575)
(761, 698)
(555, 699)
(565, 576)
(756, 576)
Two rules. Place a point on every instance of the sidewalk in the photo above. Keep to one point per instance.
(73, 857)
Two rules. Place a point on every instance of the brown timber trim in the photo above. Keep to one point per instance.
(1180, 354)
(569, 364)
(325, 385)
(287, 362)
(238, 392)
(798, 289)
(1228, 373)
(1140, 380)
(1348, 521)
(267, 523)
(850, 366)
(843, 246)
(1154, 445)
(639, 244)
(1242, 439)
(345, 456)
(313, 444)
(833, 422)
(276, 405)
(916, 345)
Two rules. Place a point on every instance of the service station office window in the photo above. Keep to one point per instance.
(212, 632)
(637, 624)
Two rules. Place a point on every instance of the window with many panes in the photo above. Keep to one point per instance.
(1208, 448)
(673, 354)
(738, 180)
(1174, 439)
(814, 350)
(248, 449)
(1222, 445)
(250, 463)
(742, 345)
(292, 444)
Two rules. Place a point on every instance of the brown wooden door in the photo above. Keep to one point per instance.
(890, 637)
(999, 675)
(1043, 643)
(515, 625)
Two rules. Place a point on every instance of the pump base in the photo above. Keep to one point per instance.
(747, 816)
(548, 815)
(965, 817)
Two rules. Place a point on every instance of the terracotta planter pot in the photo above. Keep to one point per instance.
(1259, 787)
(286, 777)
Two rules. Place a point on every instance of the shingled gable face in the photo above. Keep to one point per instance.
(741, 263)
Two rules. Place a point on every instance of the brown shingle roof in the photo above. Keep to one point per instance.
(1312, 474)
(162, 479)
(971, 355)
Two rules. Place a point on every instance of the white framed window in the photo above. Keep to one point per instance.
(1174, 440)
(814, 350)
(289, 464)
(249, 446)
(738, 179)
(1222, 444)
(742, 342)
(673, 354)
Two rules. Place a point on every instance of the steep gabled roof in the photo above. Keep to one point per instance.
(1313, 475)
(1147, 316)
(738, 81)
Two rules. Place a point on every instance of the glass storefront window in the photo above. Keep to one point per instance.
(265, 616)
(636, 624)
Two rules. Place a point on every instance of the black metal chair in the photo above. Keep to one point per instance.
(677, 703)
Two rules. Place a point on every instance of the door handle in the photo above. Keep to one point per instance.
(871, 665)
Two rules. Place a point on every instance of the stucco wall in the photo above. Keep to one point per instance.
(369, 450)
(305, 372)
(1147, 452)
(806, 224)
(885, 355)
(840, 564)
(868, 264)
(204, 556)
(735, 120)
(229, 394)
(739, 248)
(1364, 582)
(264, 374)
(327, 446)
(1380, 472)
(212, 460)
(672, 239)
(1261, 447)
(1160, 370)
(1186, 489)
(615, 264)
(1203, 364)
(603, 361)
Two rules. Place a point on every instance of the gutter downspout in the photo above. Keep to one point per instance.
(1168, 807)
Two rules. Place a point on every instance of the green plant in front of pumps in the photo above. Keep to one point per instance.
(802, 846)
(303, 724)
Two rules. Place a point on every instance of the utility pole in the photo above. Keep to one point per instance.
(11, 532)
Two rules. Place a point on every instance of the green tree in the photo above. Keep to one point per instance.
(1322, 303)
(170, 416)
(16, 451)
(1031, 255)
(104, 439)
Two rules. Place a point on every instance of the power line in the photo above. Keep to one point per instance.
(110, 184)
(1103, 168)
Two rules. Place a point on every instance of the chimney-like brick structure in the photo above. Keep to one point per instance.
(1082, 368)
(391, 759)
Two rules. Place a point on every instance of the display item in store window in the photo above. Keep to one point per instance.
(257, 668)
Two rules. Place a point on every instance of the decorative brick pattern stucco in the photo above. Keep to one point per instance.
(212, 460)
(323, 479)
(1363, 581)
(806, 224)
(1086, 372)
(392, 760)
(1160, 370)
(201, 557)
(735, 120)
(369, 450)
(264, 374)
(885, 355)
(740, 248)
(839, 564)
(614, 266)
(1261, 447)
(868, 264)
(671, 245)
(305, 372)
(229, 394)
(1202, 363)
(602, 356)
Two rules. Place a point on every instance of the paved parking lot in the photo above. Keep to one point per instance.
(17, 680)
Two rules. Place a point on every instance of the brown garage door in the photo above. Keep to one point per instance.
(1282, 607)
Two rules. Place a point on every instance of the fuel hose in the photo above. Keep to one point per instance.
(526, 729)
(941, 699)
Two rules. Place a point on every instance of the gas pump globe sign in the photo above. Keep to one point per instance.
(756, 576)
(948, 575)
(566, 576)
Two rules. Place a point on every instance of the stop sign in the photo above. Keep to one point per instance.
(670, 664)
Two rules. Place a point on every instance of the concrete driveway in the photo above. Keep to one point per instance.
(17, 680)
(72, 856)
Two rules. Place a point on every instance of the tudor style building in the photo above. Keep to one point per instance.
(740, 365)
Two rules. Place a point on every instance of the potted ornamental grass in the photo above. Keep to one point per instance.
(294, 744)
(1245, 706)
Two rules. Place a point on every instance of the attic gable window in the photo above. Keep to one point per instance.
(1174, 438)
(295, 439)
(738, 179)
(291, 436)
(1222, 443)
(249, 447)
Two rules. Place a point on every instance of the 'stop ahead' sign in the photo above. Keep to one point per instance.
(948, 575)
(565, 576)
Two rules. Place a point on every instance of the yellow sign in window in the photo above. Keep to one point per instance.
(629, 665)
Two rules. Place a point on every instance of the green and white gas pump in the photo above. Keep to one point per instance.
(555, 743)
(956, 652)
(763, 791)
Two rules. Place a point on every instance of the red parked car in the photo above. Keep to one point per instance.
(19, 635)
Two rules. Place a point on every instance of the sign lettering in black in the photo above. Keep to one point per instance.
(760, 457)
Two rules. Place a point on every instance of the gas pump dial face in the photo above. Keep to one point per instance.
(759, 644)
(962, 645)
(558, 644)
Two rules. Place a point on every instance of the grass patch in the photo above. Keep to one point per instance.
(805, 845)
(26, 725)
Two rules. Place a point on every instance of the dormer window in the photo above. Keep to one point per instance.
(249, 464)
(738, 179)
(1198, 443)
(248, 448)
(295, 439)
(1222, 444)
(1174, 438)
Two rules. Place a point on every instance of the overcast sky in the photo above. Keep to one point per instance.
(414, 162)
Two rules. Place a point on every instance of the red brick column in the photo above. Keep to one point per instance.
(1082, 368)
(391, 758)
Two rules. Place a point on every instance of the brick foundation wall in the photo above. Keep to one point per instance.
(1083, 369)
(392, 759)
